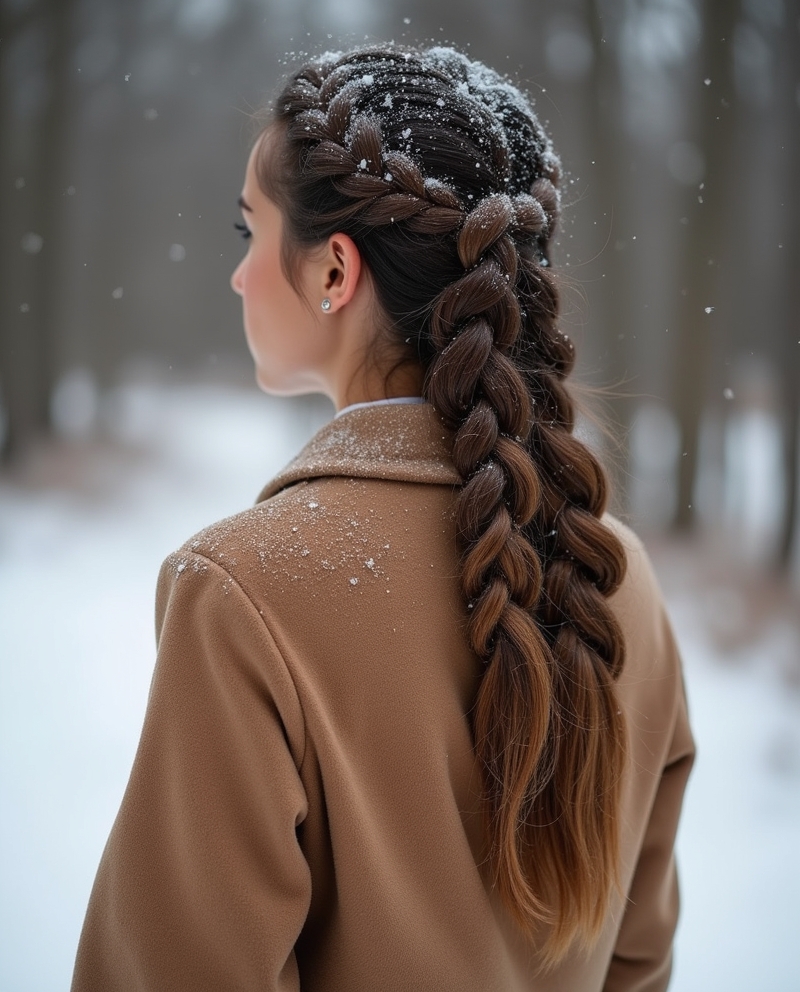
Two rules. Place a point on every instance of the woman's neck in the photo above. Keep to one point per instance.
(404, 380)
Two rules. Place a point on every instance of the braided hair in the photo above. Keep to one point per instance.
(442, 175)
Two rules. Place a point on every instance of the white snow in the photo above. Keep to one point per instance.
(83, 530)
(738, 850)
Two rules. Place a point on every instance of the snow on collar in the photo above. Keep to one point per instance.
(403, 442)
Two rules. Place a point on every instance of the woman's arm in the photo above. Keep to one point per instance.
(202, 884)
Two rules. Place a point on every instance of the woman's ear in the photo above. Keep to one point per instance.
(339, 271)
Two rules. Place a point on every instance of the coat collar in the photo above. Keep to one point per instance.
(403, 442)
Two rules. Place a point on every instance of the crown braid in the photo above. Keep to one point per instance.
(440, 172)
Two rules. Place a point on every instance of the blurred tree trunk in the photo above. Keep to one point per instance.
(609, 147)
(20, 345)
(789, 365)
(51, 156)
(28, 337)
(707, 214)
(7, 304)
(108, 246)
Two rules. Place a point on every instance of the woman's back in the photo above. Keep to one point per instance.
(305, 807)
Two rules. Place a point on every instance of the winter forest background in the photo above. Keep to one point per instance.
(129, 418)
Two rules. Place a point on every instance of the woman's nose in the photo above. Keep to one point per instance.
(236, 278)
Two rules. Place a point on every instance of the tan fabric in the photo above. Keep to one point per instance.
(302, 810)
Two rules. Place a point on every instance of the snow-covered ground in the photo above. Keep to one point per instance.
(83, 529)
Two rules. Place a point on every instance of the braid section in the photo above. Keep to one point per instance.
(545, 720)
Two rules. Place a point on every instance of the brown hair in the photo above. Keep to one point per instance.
(441, 173)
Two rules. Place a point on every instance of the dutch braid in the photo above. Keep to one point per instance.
(428, 155)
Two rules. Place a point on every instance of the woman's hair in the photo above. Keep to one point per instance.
(442, 175)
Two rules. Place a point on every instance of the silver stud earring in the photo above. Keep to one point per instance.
(326, 304)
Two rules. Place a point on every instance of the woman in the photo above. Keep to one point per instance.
(417, 719)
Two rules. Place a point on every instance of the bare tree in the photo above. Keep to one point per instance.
(706, 214)
(28, 328)
(789, 364)
(612, 317)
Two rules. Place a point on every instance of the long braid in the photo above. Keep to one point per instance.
(380, 144)
(583, 566)
(483, 398)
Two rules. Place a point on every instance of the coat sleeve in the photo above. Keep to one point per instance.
(202, 884)
(642, 958)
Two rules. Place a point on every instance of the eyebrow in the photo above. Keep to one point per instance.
(243, 204)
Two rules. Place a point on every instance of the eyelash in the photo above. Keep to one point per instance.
(244, 230)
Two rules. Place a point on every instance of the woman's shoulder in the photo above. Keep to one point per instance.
(640, 608)
(651, 682)
(273, 530)
(639, 592)
(319, 530)
(341, 479)
(631, 542)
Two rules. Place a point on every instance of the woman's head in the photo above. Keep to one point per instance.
(397, 149)
(436, 173)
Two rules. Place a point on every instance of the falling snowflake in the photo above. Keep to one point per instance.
(32, 243)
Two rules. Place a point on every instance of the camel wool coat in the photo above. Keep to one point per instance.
(303, 808)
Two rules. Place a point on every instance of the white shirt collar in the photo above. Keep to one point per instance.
(393, 399)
